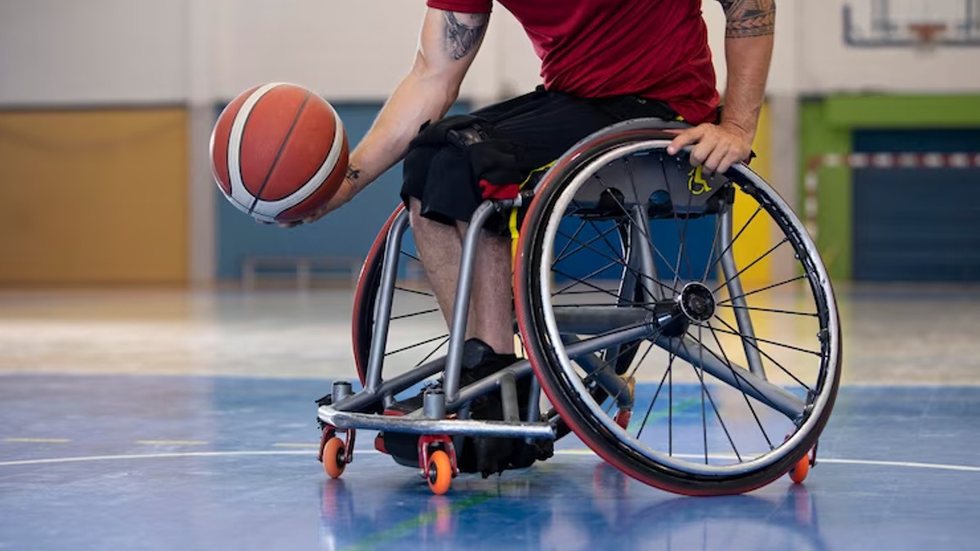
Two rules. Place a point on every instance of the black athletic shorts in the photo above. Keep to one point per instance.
(452, 165)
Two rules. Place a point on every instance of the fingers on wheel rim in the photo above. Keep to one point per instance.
(333, 457)
(440, 472)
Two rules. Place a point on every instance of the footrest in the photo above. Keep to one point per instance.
(420, 425)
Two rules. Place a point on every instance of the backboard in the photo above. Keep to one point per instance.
(911, 23)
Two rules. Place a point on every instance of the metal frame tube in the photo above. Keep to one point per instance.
(735, 376)
(508, 398)
(534, 401)
(367, 398)
(523, 367)
(593, 320)
(640, 243)
(461, 306)
(379, 336)
(734, 284)
(412, 424)
(613, 384)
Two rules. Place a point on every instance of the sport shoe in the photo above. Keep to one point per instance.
(484, 455)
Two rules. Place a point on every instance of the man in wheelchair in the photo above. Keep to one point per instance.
(602, 62)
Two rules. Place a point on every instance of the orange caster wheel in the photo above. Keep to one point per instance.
(799, 471)
(440, 472)
(334, 457)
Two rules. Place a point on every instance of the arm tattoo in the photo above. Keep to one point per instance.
(353, 173)
(461, 37)
(747, 18)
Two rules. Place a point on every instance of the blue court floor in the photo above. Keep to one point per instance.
(205, 462)
(173, 419)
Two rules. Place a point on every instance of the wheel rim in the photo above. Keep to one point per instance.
(711, 330)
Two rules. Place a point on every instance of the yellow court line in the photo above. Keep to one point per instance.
(172, 442)
(38, 440)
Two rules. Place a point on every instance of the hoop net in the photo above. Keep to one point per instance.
(927, 34)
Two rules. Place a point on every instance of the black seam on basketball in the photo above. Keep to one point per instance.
(282, 146)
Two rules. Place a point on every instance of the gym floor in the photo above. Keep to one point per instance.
(169, 419)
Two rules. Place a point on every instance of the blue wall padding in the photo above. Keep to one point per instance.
(917, 224)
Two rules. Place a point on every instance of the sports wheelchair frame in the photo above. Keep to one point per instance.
(630, 266)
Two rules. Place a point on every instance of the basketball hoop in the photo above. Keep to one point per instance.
(927, 34)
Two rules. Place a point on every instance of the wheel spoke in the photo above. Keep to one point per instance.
(772, 310)
(621, 261)
(738, 382)
(770, 358)
(704, 421)
(753, 263)
(646, 416)
(636, 367)
(645, 231)
(593, 274)
(602, 235)
(561, 253)
(413, 291)
(683, 241)
(766, 288)
(412, 256)
(432, 353)
(711, 251)
(572, 239)
(413, 314)
(416, 345)
(745, 337)
(700, 374)
(734, 239)
(599, 289)
(610, 304)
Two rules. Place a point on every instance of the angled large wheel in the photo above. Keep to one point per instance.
(707, 289)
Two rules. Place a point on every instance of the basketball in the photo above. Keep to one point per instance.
(279, 152)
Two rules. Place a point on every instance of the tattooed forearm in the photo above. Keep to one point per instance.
(748, 18)
(353, 173)
(462, 37)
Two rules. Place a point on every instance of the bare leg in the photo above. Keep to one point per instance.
(440, 250)
(491, 313)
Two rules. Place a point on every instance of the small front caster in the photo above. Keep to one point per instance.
(799, 471)
(439, 472)
(334, 457)
(437, 461)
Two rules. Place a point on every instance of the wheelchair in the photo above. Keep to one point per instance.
(630, 267)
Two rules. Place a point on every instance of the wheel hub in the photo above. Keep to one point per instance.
(697, 302)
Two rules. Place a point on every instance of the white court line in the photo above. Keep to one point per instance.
(150, 456)
(905, 464)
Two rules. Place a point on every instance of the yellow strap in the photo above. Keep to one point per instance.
(515, 232)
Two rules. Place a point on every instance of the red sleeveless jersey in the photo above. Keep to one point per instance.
(656, 49)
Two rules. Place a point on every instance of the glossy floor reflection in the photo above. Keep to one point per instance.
(192, 462)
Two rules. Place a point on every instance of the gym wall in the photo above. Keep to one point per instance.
(140, 59)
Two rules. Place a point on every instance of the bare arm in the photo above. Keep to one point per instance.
(748, 51)
(447, 45)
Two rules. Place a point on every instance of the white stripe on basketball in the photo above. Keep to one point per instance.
(241, 198)
(274, 208)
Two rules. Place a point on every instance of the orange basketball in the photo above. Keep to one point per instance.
(279, 152)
